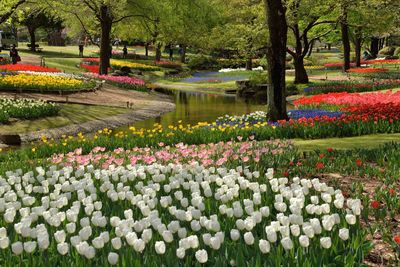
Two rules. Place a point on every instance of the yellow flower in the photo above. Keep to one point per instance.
(33, 149)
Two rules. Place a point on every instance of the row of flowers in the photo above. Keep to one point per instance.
(27, 67)
(92, 64)
(24, 108)
(38, 82)
(183, 213)
(122, 81)
(352, 86)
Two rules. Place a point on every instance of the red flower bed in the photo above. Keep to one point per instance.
(383, 61)
(91, 59)
(367, 70)
(27, 67)
(352, 99)
(91, 68)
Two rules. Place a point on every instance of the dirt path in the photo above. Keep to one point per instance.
(108, 95)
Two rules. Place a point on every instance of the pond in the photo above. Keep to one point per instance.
(199, 77)
(194, 107)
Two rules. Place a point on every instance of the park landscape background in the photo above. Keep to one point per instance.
(229, 133)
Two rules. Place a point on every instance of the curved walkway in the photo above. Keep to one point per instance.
(151, 110)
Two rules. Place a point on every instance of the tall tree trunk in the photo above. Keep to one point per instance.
(249, 63)
(158, 51)
(329, 46)
(146, 47)
(33, 38)
(301, 75)
(106, 25)
(374, 46)
(276, 56)
(357, 45)
(345, 40)
(183, 53)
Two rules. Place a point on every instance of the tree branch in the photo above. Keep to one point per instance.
(5, 16)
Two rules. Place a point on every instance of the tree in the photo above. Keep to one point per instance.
(8, 8)
(35, 17)
(102, 14)
(306, 20)
(276, 56)
(241, 28)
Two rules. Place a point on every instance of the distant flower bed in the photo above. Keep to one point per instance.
(367, 70)
(25, 109)
(54, 74)
(353, 99)
(27, 67)
(382, 61)
(123, 81)
(314, 67)
(351, 87)
(168, 64)
(42, 83)
(92, 65)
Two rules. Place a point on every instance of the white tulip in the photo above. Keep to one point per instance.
(116, 243)
(249, 238)
(287, 243)
(160, 247)
(62, 248)
(139, 245)
(304, 241)
(344, 234)
(235, 234)
(264, 246)
(60, 236)
(4, 242)
(350, 219)
(112, 258)
(180, 253)
(17, 248)
(201, 256)
(326, 242)
(30, 246)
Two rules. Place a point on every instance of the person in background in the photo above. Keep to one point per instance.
(81, 50)
(14, 55)
(125, 52)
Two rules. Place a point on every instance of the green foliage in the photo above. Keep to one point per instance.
(387, 51)
(397, 51)
(258, 77)
(201, 62)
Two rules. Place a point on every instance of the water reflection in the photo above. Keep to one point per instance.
(193, 107)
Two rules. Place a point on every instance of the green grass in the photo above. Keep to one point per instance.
(65, 64)
(348, 143)
(69, 114)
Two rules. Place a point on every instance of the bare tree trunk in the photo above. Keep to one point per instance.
(345, 40)
(146, 47)
(276, 56)
(301, 75)
(106, 25)
(249, 63)
(374, 46)
(33, 38)
(329, 46)
(358, 45)
(158, 51)
(183, 53)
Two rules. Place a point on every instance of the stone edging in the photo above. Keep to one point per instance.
(155, 109)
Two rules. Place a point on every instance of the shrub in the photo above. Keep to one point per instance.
(387, 51)
(397, 52)
(258, 77)
(202, 62)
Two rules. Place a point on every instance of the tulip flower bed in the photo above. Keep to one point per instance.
(27, 67)
(163, 214)
(25, 109)
(208, 154)
(168, 64)
(352, 87)
(92, 64)
(367, 70)
(123, 81)
(28, 82)
(54, 74)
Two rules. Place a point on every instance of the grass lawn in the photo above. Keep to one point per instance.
(65, 64)
(69, 114)
(347, 143)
